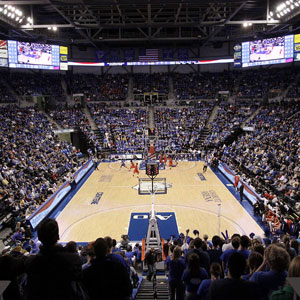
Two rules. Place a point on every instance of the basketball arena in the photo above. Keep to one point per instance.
(149, 150)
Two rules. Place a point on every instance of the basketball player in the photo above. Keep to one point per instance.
(136, 170)
(165, 159)
(170, 162)
(132, 165)
(161, 160)
(95, 163)
(236, 181)
(123, 164)
(204, 167)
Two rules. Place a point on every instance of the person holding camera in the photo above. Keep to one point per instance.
(150, 260)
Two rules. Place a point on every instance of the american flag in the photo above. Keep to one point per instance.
(151, 55)
(3, 44)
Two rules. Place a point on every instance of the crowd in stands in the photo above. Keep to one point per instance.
(146, 83)
(75, 118)
(33, 161)
(5, 94)
(229, 116)
(240, 267)
(179, 129)
(271, 151)
(122, 129)
(261, 83)
(202, 85)
(107, 87)
(37, 84)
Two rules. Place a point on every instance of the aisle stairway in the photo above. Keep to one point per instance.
(130, 90)
(52, 121)
(150, 117)
(64, 86)
(205, 131)
(99, 135)
(171, 95)
(153, 290)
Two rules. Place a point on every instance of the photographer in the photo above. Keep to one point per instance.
(150, 260)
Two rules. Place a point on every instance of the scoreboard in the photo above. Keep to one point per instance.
(277, 50)
(15, 54)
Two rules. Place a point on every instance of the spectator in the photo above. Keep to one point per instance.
(277, 259)
(150, 261)
(233, 287)
(71, 247)
(176, 268)
(52, 273)
(244, 245)
(215, 274)
(203, 256)
(115, 256)
(255, 260)
(106, 278)
(287, 293)
(215, 252)
(235, 242)
(193, 276)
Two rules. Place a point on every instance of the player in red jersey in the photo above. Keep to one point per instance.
(170, 162)
(165, 158)
(132, 165)
(136, 170)
(236, 181)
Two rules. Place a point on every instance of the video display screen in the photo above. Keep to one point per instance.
(37, 56)
(34, 54)
(266, 52)
(267, 49)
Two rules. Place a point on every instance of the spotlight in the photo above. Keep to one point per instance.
(9, 14)
(54, 28)
(271, 13)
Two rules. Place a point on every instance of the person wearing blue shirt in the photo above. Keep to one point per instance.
(227, 253)
(245, 243)
(114, 256)
(130, 255)
(255, 260)
(215, 273)
(277, 259)
(233, 287)
(176, 267)
(193, 276)
(215, 252)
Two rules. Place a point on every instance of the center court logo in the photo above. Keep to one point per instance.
(168, 185)
(146, 216)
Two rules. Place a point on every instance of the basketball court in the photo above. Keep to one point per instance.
(110, 200)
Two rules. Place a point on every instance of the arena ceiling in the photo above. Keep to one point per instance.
(121, 22)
